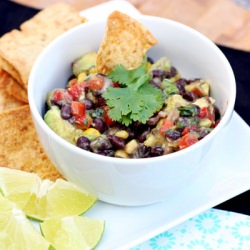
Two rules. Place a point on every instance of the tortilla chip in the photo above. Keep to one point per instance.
(52, 21)
(6, 101)
(7, 67)
(125, 42)
(20, 147)
(12, 88)
(19, 49)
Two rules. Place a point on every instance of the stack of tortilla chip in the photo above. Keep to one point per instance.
(19, 145)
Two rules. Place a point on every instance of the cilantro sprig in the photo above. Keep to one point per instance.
(136, 99)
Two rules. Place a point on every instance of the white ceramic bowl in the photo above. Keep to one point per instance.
(131, 181)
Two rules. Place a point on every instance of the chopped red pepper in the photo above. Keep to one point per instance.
(187, 140)
(83, 122)
(78, 108)
(166, 125)
(190, 128)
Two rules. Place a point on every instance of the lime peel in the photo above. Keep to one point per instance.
(16, 231)
(43, 199)
(73, 232)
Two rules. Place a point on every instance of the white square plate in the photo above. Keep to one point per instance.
(226, 174)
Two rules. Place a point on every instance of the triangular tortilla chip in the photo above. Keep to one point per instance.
(6, 101)
(13, 88)
(19, 49)
(20, 147)
(125, 42)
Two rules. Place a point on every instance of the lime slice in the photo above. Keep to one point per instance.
(73, 232)
(16, 231)
(44, 199)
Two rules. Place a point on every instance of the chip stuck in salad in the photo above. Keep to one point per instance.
(115, 107)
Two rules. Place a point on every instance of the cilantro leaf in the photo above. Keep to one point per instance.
(123, 76)
(134, 102)
(169, 87)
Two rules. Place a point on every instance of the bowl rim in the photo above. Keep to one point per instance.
(37, 118)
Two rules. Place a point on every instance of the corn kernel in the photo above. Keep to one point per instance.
(93, 70)
(120, 153)
(150, 142)
(148, 66)
(91, 133)
(81, 77)
(122, 134)
(131, 146)
(205, 123)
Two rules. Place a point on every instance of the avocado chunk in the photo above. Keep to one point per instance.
(201, 87)
(60, 126)
(84, 63)
(175, 101)
(163, 63)
(204, 102)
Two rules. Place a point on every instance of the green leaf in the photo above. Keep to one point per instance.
(169, 87)
(188, 111)
(135, 102)
(125, 77)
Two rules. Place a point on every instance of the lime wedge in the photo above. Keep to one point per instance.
(44, 199)
(73, 232)
(16, 231)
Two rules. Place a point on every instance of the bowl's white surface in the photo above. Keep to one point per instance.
(131, 181)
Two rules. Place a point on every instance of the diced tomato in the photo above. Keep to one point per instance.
(198, 91)
(108, 120)
(78, 108)
(72, 82)
(58, 95)
(206, 113)
(166, 125)
(83, 122)
(203, 113)
(190, 128)
(95, 83)
(187, 140)
(76, 90)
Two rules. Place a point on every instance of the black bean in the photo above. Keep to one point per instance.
(105, 144)
(117, 142)
(189, 96)
(99, 124)
(58, 103)
(159, 73)
(173, 134)
(142, 152)
(83, 142)
(180, 84)
(171, 73)
(66, 112)
(217, 113)
(88, 104)
(156, 151)
(106, 152)
(101, 102)
(150, 60)
(203, 133)
(142, 137)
